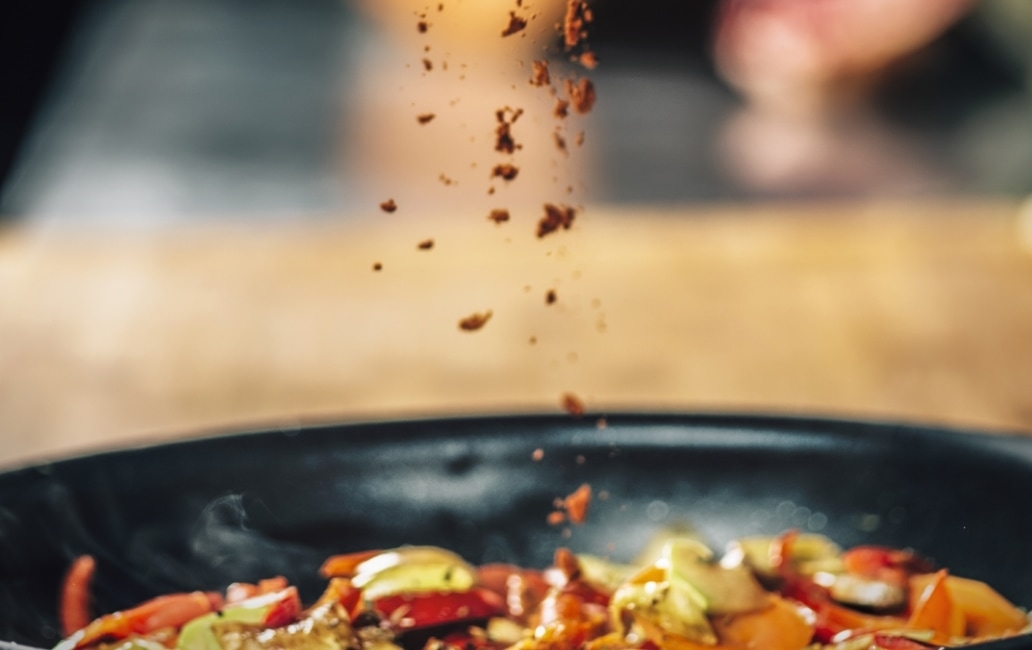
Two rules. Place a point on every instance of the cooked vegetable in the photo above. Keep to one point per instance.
(791, 592)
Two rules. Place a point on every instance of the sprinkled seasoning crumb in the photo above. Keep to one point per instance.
(582, 94)
(504, 142)
(428, 65)
(538, 454)
(425, 245)
(576, 504)
(556, 217)
(515, 26)
(473, 322)
(589, 60)
(540, 76)
(572, 404)
(422, 26)
(560, 141)
(561, 109)
(499, 215)
(377, 266)
(425, 118)
(550, 297)
(389, 206)
(505, 171)
(574, 23)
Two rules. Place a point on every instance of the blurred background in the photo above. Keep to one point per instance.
(159, 109)
(188, 212)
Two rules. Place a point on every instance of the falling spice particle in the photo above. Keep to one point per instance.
(561, 109)
(560, 142)
(589, 60)
(540, 76)
(425, 245)
(377, 266)
(532, 340)
(447, 180)
(576, 504)
(579, 140)
(515, 26)
(473, 322)
(556, 217)
(572, 404)
(491, 190)
(556, 518)
(389, 206)
(422, 26)
(538, 454)
(550, 297)
(578, 15)
(428, 65)
(499, 215)
(425, 118)
(582, 94)
(506, 117)
(440, 7)
(505, 171)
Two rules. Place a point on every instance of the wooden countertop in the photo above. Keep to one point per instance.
(917, 312)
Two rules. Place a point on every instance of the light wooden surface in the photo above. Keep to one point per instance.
(906, 312)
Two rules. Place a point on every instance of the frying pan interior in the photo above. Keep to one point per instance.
(202, 514)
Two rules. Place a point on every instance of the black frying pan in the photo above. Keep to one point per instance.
(204, 513)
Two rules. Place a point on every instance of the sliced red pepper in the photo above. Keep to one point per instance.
(285, 609)
(416, 611)
(75, 595)
(173, 610)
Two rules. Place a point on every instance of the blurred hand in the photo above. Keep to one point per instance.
(799, 54)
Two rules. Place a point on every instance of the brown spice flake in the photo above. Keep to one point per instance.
(540, 76)
(560, 142)
(428, 65)
(389, 206)
(425, 245)
(550, 297)
(504, 142)
(556, 217)
(538, 454)
(572, 404)
(582, 94)
(579, 140)
(556, 518)
(475, 321)
(578, 15)
(505, 171)
(561, 109)
(588, 59)
(425, 118)
(377, 266)
(515, 26)
(422, 26)
(499, 215)
(576, 504)
(447, 180)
